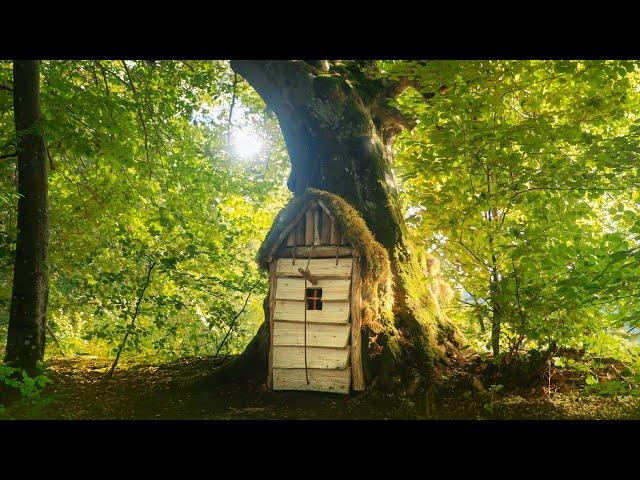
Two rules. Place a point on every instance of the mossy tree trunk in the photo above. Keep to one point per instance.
(340, 140)
(27, 316)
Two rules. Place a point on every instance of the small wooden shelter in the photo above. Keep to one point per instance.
(316, 253)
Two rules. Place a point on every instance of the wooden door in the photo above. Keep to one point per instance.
(311, 330)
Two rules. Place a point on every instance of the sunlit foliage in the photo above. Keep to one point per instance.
(522, 176)
(141, 172)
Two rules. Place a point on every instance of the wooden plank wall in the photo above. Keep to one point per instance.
(293, 357)
(328, 332)
(293, 311)
(323, 380)
(316, 227)
(332, 290)
(321, 267)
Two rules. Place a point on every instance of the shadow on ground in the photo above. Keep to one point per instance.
(143, 391)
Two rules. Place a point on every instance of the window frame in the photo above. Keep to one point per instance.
(313, 295)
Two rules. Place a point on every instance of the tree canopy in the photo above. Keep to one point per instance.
(517, 180)
(522, 176)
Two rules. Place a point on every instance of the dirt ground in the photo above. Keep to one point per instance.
(143, 391)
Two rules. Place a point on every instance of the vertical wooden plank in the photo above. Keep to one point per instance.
(336, 236)
(291, 238)
(324, 207)
(300, 232)
(333, 235)
(282, 238)
(343, 240)
(325, 237)
(357, 375)
(272, 307)
(316, 226)
(309, 227)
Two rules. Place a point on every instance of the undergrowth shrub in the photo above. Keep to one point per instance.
(21, 391)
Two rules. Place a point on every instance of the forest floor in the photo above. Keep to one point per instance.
(145, 391)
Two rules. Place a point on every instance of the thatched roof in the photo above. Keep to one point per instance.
(349, 223)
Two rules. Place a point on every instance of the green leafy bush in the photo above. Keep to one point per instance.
(27, 389)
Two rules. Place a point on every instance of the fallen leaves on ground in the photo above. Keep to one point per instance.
(168, 391)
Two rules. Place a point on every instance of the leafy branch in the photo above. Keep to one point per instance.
(133, 319)
(235, 318)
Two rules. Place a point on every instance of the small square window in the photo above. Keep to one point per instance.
(314, 299)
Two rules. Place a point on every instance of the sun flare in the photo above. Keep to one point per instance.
(246, 143)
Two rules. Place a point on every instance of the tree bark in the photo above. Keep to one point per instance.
(494, 276)
(27, 316)
(332, 140)
(339, 139)
(496, 311)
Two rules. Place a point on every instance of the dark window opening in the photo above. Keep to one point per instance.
(314, 299)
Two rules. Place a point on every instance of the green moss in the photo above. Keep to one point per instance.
(377, 291)
(349, 222)
(434, 337)
(408, 339)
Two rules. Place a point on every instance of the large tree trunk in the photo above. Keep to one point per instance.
(27, 317)
(339, 139)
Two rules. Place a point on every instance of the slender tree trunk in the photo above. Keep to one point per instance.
(27, 317)
(339, 139)
(494, 276)
(496, 312)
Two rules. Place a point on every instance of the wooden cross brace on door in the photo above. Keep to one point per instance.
(307, 274)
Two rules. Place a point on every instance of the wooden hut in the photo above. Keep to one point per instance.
(318, 253)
